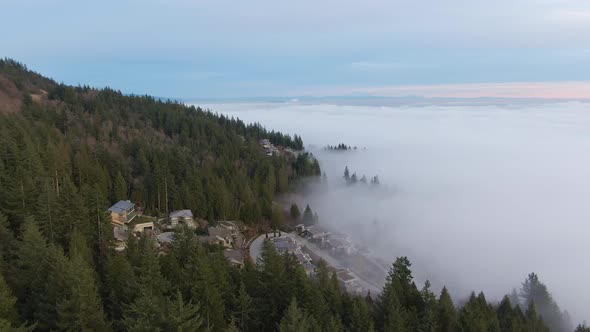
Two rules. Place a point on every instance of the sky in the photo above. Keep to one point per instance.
(260, 48)
(477, 196)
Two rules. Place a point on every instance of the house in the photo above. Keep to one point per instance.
(165, 238)
(230, 226)
(316, 232)
(223, 233)
(121, 235)
(340, 243)
(300, 228)
(302, 258)
(122, 212)
(144, 226)
(181, 216)
(348, 281)
(234, 257)
(215, 239)
(286, 244)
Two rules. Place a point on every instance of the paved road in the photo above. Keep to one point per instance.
(256, 252)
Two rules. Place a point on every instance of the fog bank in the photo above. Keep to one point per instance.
(477, 196)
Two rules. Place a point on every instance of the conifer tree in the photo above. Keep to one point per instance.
(295, 213)
(82, 309)
(447, 314)
(184, 317)
(295, 319)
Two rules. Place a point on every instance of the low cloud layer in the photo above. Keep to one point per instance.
(477, 196)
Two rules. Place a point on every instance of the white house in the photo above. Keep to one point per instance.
(181, 216)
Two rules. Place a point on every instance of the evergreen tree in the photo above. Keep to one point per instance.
(120, 188)
(295, 319)
(346, 174)
(244, 306)
(184, 317)
(82, 309)
(30, 269)
(447, 315)
(308, 217)
(295, 213)
(8, 311)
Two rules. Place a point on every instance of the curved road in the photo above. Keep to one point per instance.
(256, 252)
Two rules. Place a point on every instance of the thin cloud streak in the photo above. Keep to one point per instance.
(530, 90)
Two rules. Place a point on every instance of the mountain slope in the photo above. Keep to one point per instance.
(162, 155)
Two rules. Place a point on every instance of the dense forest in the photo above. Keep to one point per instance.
(67, 153)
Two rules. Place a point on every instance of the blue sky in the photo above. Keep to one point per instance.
(222, 48)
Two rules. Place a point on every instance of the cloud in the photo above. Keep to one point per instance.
(537, 90)
(479, 196)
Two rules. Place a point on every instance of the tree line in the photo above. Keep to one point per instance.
(44, 286)
(353, 179)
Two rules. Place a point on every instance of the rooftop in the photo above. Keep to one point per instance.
(345, 276)
(122, 206)
(181, 213)
(166, 237)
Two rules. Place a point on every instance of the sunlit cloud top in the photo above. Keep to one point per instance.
(228, 48)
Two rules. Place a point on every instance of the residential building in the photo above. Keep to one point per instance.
(234, 257)
(165, 238)
(144, 226)
(348, 281)
(122, 212)
(317, 233)
(181, 216)
(121, 235)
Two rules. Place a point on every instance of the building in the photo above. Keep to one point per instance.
(300, 228)
(234, 257)
(121, 235)
(340, 243)
(144, 226)
(286, 244)
(227, 235)
(165, 238)
(230, 226)
(348, 281)
(181, 216)
(316, 232)
(122, 212)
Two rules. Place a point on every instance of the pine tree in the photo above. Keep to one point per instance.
(294, 319)
(82, 309)
(295, 213)
(346, 174)
(308, 218)
(8, 311)
(184, 317)
(120, 188)
(244, 306)
(30, 269)
(428, 320)
(145, 313)
(446, 315)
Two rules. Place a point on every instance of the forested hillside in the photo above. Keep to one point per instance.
(100, 144)
(67, 153)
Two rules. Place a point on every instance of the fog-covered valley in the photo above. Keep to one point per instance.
(477, 196)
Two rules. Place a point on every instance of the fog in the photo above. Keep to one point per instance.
(477, 196)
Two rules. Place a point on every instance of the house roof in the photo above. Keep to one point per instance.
(317, 230)
(285, 245)
(233, 254)
(345, 276)
(166, 237)
(120, 234)
(181, 213)
(121, 206)
(219, 231)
